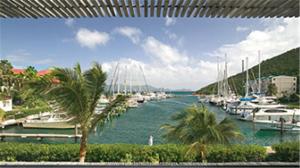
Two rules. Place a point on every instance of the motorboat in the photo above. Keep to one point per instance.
(273, 116)
(248, 106)
(132, 103)
(52, 121)
(102, 103)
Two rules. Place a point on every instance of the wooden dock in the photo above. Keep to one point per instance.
(38, 136)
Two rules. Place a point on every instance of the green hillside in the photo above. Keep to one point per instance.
(283, 64)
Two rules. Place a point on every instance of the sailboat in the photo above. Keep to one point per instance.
(249, 103)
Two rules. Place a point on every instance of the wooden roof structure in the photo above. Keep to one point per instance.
(148, 8)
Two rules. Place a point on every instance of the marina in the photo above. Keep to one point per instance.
(138, 124)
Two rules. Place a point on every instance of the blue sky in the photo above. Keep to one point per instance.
(182, 51)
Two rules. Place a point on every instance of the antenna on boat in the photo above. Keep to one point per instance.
(118, 80)
(125, 81)
(226, 86)
(247, 78)
(218, 75)
(147, 88)
(259, 80)
(113, 80)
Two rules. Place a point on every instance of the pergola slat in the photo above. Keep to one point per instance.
(178, 8)
(157, 8)
(70, 8)
(14, 9)
(166, 5)
(118, 8)
(110, 7)
(138, 8)
(171, 10)
(192, 7)
(125, 11)
(25, 8)
(104, 8)
(90, 8)
(130, 8)
(185, 7)
(152, 8)
(201, 3)
(97, 7)
(145, 8)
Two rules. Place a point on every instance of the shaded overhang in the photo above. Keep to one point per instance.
(148, 8)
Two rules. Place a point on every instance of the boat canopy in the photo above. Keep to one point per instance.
(247, 98)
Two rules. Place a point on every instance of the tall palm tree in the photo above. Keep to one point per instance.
(197, 127)
(77, 93)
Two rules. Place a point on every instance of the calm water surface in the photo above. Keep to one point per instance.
(137, 124)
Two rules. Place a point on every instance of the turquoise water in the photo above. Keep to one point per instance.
(137, 124)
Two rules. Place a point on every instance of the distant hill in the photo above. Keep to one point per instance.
(283, 64)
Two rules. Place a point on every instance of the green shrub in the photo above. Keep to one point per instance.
(2, 115)
(127, 153)
(288, 152)
(21, 113)
(236, 153)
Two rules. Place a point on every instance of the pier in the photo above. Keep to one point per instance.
(38, 136)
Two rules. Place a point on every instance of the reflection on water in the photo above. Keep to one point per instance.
(136, 125)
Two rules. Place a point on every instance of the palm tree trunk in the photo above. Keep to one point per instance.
(203, 153)
(83, 144)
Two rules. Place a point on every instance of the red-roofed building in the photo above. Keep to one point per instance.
(18, 71)
(43, 72)
(39, 73)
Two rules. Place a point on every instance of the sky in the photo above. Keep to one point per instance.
(174, 53)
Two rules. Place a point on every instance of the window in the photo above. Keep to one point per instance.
(275, 111)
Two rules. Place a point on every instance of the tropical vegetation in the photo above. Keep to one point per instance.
(198, 127)
(129, 153)
(77, 93)
(285, 152)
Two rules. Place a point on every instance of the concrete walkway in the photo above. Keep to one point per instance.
(114, 165)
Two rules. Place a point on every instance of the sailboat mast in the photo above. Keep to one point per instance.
(146, 83)
(130, 83)
(118, 80)
(125, 81)
(225, 78)
(259, 77)
(247, 78)
(218, 76)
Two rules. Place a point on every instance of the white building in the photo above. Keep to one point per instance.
(6, 105)
(286, 85)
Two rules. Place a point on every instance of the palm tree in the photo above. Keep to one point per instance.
(197, 127)
(78, 93)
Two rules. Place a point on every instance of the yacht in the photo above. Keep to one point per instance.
(248, 106)
(132, 103)
(102, 103)
(272, 116)
(52, 121)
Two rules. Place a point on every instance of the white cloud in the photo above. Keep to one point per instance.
(275, 39)
(91, 38)
(131, 32)
(69, 22)
(164, 52)
(241, 29)
(174, 37)
(182, 71)
(170, 21)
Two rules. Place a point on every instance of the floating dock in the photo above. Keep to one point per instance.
(38, 136)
